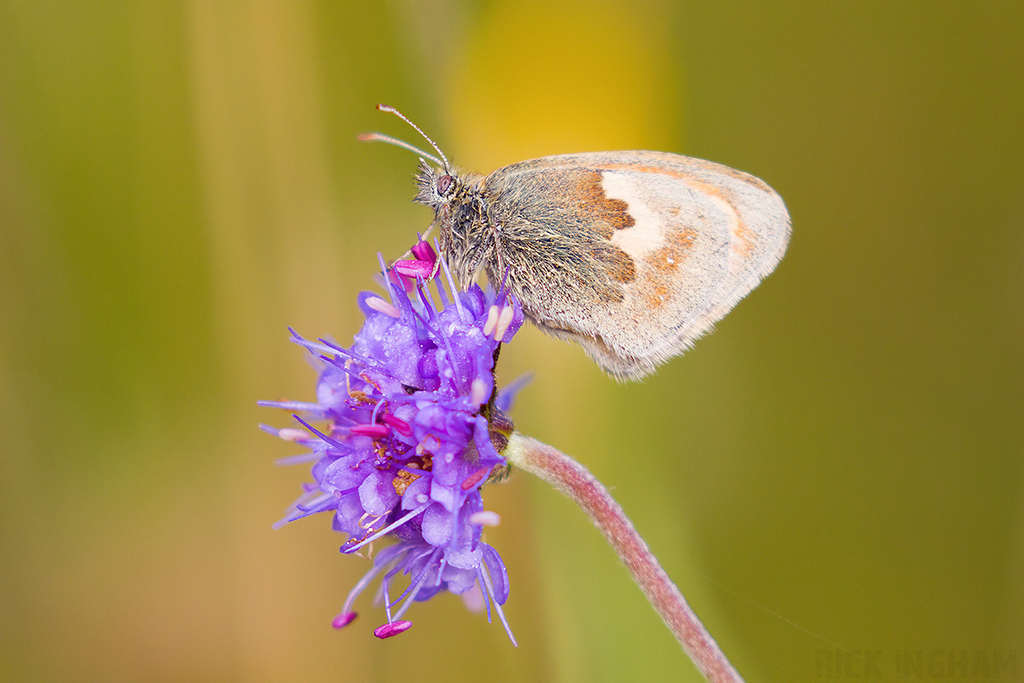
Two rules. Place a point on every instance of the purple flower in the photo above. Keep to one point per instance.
(413, 430)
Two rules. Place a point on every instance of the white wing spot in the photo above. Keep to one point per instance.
(646, 233)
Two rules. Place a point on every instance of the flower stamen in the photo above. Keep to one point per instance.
(492, 320)
(344, 619)
(399, 425)
(485, 518)
(504, 320)
(381, 306)
(415, 269)
(475, 478)
(393, 629)
(375, 431)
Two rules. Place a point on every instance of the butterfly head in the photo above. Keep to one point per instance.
(437, 186)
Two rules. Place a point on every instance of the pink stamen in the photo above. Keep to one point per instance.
(406, 283)
(400, 425)
(393, 629)
(475, 478)
(344, 619)
(414, 269)
(374, 431)
(424, 252)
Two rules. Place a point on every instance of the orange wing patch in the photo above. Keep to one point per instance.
(657, 294)
(661, 263)
(666, 259)
(611, 212)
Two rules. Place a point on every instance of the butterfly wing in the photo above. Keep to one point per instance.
(633, 255)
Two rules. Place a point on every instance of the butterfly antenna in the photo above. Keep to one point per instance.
(380, 137)
(391, 110)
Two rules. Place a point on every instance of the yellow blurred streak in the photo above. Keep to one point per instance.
(274, 241)
(267, 188)
(540, 78)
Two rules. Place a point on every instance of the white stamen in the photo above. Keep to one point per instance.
(478, 391)
(474, 599)
(485, 518)
(381, 306)
(289, 434)
(492, 320)
(504, 320)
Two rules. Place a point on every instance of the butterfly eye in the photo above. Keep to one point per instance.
(444, 184)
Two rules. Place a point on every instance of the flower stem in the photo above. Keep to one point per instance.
(574, 480)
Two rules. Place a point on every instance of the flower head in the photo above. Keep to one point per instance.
(413, 430)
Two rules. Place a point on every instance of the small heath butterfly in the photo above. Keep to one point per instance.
(632, 255)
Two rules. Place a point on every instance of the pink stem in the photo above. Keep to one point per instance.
(571, 478)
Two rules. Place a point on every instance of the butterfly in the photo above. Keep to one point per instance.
(633, 255)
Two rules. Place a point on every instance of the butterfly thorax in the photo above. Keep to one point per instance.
(460, 214)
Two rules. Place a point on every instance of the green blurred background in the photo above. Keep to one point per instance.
(837, 470)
